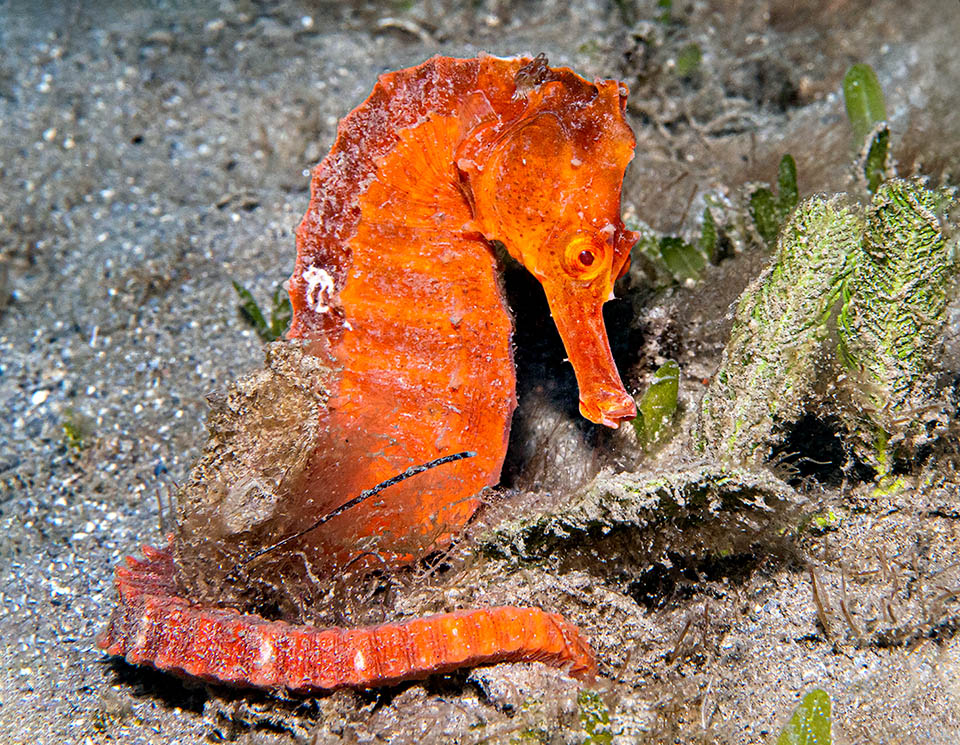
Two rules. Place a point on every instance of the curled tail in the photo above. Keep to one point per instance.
(151, 625)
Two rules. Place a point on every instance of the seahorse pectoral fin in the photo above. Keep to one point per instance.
(603, 399)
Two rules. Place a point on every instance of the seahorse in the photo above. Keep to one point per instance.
(399, 352)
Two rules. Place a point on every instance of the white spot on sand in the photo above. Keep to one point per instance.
(319, 288)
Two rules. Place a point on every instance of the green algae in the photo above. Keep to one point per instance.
(688, 60)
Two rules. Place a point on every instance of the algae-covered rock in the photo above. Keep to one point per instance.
(698, 508)
(889, 270)
(262, 428)
(892, 323)
(769, 366)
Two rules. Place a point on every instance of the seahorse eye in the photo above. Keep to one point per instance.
(585, 257)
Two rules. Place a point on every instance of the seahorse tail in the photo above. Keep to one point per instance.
(151, 625)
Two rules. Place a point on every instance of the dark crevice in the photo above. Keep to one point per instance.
(682, 578)
(813, 450)
(547, 391)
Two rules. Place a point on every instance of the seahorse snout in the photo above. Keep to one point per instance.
(579, 319)
(609, 407)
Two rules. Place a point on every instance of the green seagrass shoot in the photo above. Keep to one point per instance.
(658, 404)
(280, 312)
(811, 723)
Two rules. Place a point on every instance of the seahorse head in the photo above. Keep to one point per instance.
(547, 185)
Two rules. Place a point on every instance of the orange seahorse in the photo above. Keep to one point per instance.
(399, 312)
